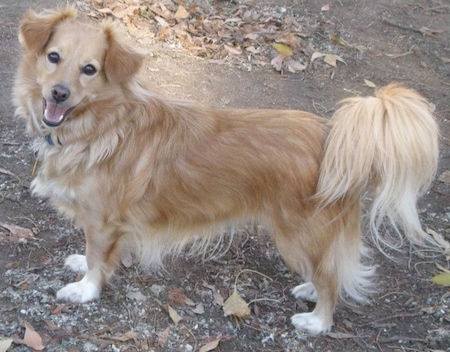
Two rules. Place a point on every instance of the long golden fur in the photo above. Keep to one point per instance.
(134, 168)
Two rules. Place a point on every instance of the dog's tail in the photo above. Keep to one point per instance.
(387, 144)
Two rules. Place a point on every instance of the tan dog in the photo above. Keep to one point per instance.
(132, 167)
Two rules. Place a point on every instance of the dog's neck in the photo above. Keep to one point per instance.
(49, 140)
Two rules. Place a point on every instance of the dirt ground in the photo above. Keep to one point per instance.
(389, 40)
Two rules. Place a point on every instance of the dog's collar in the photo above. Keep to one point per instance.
(49, 140)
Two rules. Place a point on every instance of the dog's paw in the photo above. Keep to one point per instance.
(79, 292)
(310, 323)
(306, 292)
(77, 263)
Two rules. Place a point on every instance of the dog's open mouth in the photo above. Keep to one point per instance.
(54, 114)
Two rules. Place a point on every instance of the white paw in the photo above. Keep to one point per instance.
(79, 292)
(306, 292)
(310, 323)
(77, 263)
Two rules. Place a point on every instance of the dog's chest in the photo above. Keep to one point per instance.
(54, 189)
(58, 180)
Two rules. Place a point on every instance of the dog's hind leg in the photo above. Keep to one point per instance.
(303, 253)
(102, 257)
(325, 250)
(325, 291)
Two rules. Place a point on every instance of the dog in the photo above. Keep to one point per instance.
(135, 169)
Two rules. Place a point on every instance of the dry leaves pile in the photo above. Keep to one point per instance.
(241, 33)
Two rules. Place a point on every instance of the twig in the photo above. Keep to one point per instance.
(402, 315)
(378, 344)
(28, 219)
(403, 338)
(397, 25)
(393, 293)
(420, 263)
(9, 173)
(437, 8)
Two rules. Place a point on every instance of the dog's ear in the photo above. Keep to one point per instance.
(35, 29)
(121, 62)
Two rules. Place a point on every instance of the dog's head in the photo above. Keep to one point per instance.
(74, 61)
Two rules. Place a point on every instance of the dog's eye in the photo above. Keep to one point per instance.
(53, 58)
(89, 70)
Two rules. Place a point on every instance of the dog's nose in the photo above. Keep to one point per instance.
(60, 93)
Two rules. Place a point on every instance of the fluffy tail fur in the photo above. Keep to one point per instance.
(387, 144)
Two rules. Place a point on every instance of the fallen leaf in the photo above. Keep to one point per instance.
(210, 346)
(442, 279)
(441, 241)
(58, 309)
(18, 234)
(174, 315)
(130, 335)
(277, 62)
(163, 11)
(184, 37)
(129, 10)
(283, 49)
(236, 306)
(253, 50)
(233, 50)
(105, 11)
(163, 337)
(332, 59)
(199, 309)
(288, 39)
(294, 66)
(5, 343)
(325, 7)
(369, 83)
(338, 40)
(218, 299)
(251, 36)
(50, 325)
(181, 13)
(316, 55)
(445, 60)
(162, 22)
(177, 296)
(31, 338)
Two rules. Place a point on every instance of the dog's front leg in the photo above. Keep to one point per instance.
(98, 265)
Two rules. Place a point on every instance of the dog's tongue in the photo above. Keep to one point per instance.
(54, 113)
